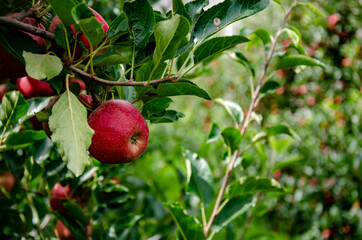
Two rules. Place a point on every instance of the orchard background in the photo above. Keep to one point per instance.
(268, 145)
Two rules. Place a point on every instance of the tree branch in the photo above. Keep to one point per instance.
(244, 126)
(114, 83)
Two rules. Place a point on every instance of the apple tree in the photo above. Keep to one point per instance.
(81, 90)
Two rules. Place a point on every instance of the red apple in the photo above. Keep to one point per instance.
(10, 66)
(120, 132)
(62, 232)
(7, 180)
(59, 192)
(332, 21)
(2, 90)
(31, 87)
(83, 38)
(85, 99)
(80, 82)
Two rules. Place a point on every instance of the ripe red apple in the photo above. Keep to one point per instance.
(2, 91)
(80, 82)
(31, 87)
(332, 21)
(62, 232)
(85, 99)
(7, 180)
(83, 38)
(59, 192)
(120, 132)
(10, 66)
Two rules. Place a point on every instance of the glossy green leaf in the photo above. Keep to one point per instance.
(189, 227)
(233, 109)
(33, 168)
(278, 2)
(199, 177)
(269, 86)
(287, 162)
(59, 35)
(74, 227)
(76, 212)
(225, 13)
(15, 42)
(232, 137)
(42, 66)
(253, 185)
(168, 36)
(156, 111)
(71, 132)
(145, 71)
(263, 34)
(293, 35)
(178, 7)
(22, 139)
(240, 58)
(232, 209)
(297, 60)
(216, 45)
(281, 129)
(111, 58)
(141, 20)
(118, 27)
(13, 108)
(195, 8)
(63, 10)
(214, 134)
(87, 23)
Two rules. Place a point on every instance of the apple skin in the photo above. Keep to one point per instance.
(62, 232)
(31, 87)
(7, 180)
(83, 38)
(12, 67)
(58, 191)
(120, 132)
(85, 99)
(80, 82)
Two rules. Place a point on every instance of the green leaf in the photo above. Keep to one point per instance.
(145, 71)
(76, 212)
(118, 27)
(263, 34)
(140, 19)
(240, 58)
(15, 42)
(63, 10)
(287, 162)
(281, 129)
(168, 117)
(216, 45)
(155, 111)
(278, 2)
(179, 8)
(233, 109)
(22, 139)
(74, 227)
(253, 185)
(269, 86)
(111, 58)
(214, 133)
(195, 8)
(315, 10)
(189, 227)
(71, 132)
(168, 36)
(89, 26)
(232, 137)
(60, 37)
(199, 177)
(42, 66)
(296, 60)
(13, 107)
(293, 35)
(225, 13)
(232, 209)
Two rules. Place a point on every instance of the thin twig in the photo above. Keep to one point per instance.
(244, 126)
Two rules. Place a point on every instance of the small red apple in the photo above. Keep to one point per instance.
(62, 232)
(31, 87)
(10, 66)
(59, 192)
(311, 101)
(83, 38)
(120, 132)
(80, 82)
(332, 21)
(7, 180)
(3, 90)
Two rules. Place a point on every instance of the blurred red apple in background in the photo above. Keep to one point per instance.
(31, 87)
(7, 180)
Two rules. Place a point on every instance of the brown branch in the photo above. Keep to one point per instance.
(244, 126)
(114, 83)
(12, 22)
